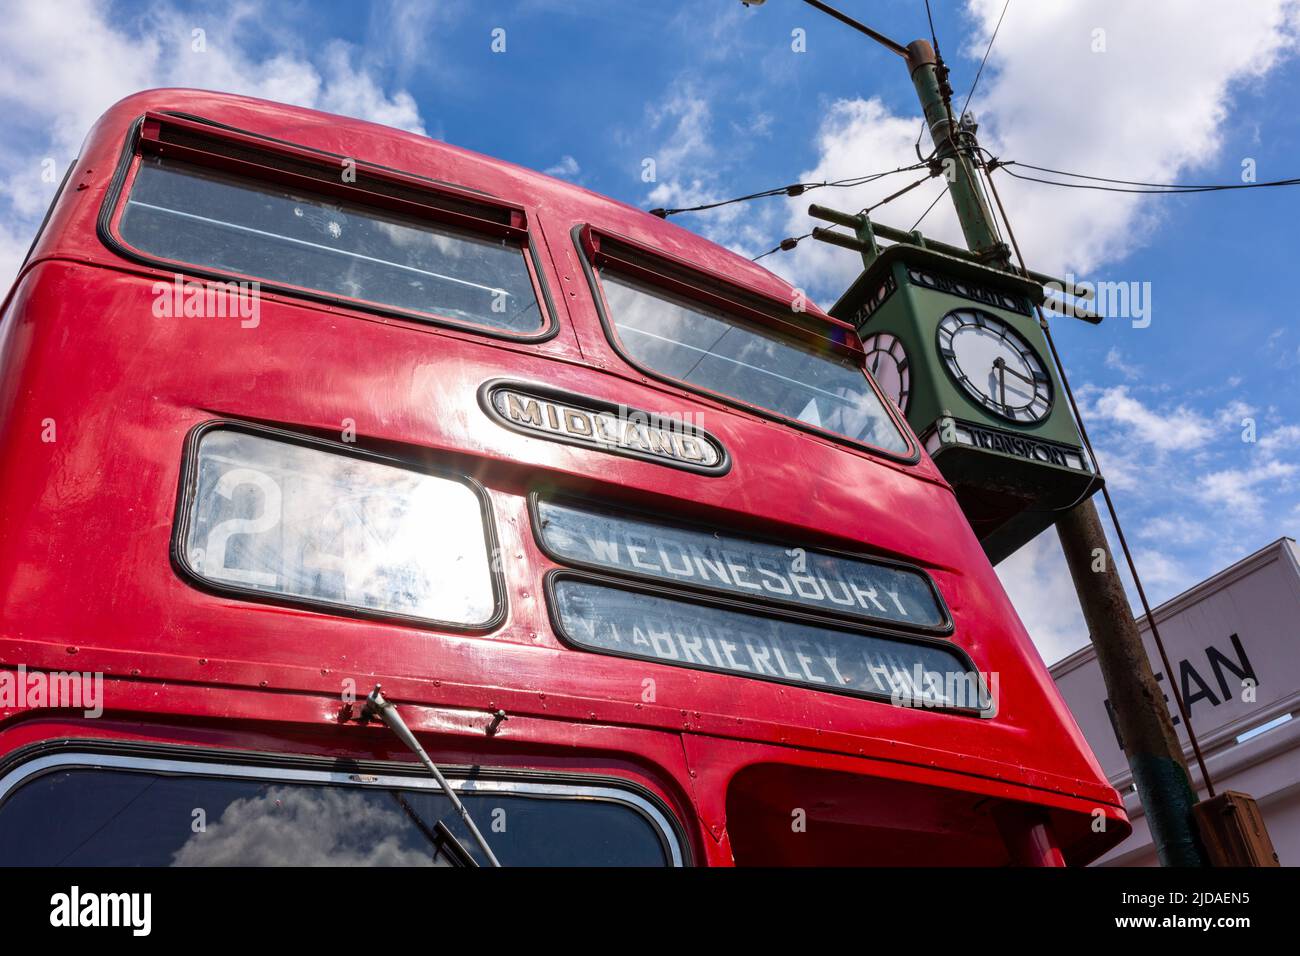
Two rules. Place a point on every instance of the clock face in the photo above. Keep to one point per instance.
(994, 363)
(888, 365)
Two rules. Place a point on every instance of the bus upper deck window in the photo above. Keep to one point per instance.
(191, 214)
(699, 346)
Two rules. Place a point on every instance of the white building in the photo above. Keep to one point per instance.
(1234, 642)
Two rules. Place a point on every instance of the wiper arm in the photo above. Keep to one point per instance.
(378, 706)
(440, 837)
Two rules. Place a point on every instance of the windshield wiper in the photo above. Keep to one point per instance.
(440, 837)
(378, 706)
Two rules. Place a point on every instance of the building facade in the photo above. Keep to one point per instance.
(1234, 643)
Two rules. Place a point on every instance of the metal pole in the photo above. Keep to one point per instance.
(1145, 729)
(844, 18)
(972, 211)
(1150, 744)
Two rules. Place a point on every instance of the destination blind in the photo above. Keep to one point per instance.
(739, 566)
(632, 624)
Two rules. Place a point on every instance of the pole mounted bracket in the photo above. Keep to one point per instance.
(866, 232)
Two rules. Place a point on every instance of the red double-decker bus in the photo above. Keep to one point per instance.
(292, 406)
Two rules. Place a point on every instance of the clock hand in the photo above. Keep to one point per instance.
(1023, 378)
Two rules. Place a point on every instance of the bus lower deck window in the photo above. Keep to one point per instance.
(190, 214)
(90, 816)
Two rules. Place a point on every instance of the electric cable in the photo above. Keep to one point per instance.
(792, 189)
(789, 243)
(785, 245)
(942, 193)
(987, 51)
(1147, 188)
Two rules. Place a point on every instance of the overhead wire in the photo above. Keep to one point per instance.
(987, 51)
(1114, 185)
(785, 245)
(943, 192)
(906, 189)
(792, 189)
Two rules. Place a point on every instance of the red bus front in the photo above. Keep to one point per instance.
(293, 405)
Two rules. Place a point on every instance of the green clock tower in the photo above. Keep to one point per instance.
(957, 346)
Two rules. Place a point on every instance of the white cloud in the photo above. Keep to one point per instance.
(567, 166)
(1232, 415)
(349, 91)
(1282, 438)
(686, 115)
(1179, 429)
(62, 65)
(1149, 108)
(1038, 582)
(402, 28)
(1115, 360)
(1239, 489)
(857, 138)
(1174, 529)
(760, 124)
(1160, 571)
(690, 171)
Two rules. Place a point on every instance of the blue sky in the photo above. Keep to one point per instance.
(718, 96)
